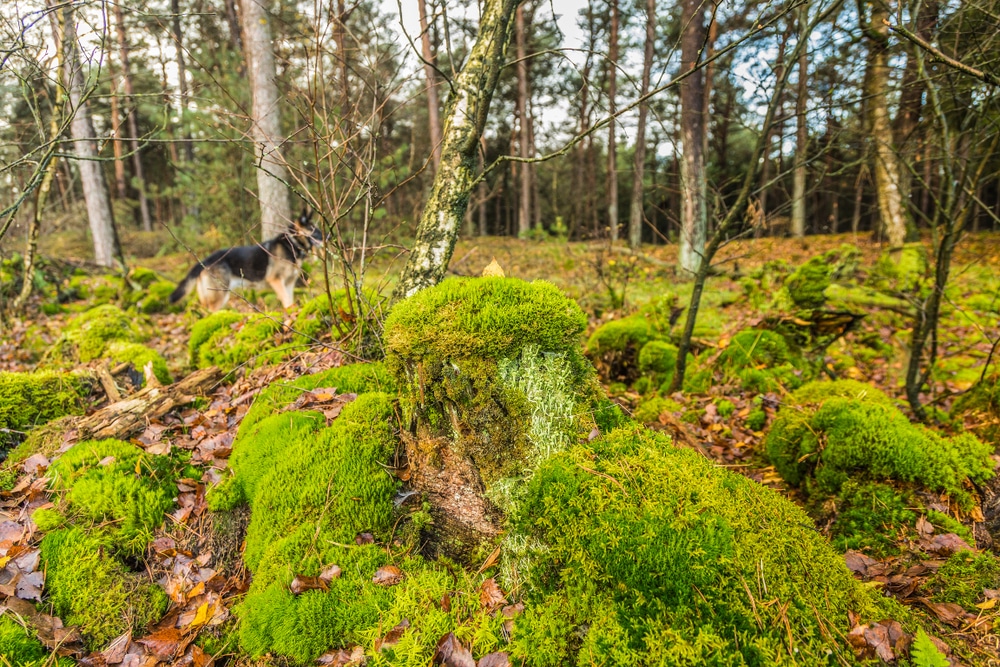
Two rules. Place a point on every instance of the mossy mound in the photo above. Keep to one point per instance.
(90, 587)
(761, 361)
(115, 482)
(334, 315)
(228, 339)
(648, 554)
(901, 270)
(805, 286)
(156, 299)
(30, 399)
(872, 517)
(87, 335)
(311, 489)
(139, 356)
(494, 366)
(19, 648)
(834, 431)
(350, 379)
(95, 290)
(965, 577)
(113, 495)
(657, 361)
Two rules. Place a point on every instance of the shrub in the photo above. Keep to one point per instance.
(824, 438)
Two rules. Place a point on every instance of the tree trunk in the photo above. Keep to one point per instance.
(95, 190)
(467, 111)
(798, 222)
(694, 207)
(612, 109)
(433, 105)
(175, 8)
(275, 211)
(116, 138)
(765, 174)
(524, 123)
(132, 118)
(638, 171)
(892, 213)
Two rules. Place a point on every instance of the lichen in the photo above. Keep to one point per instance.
(830, 432)
(651, 555)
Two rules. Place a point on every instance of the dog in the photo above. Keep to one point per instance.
(276, 262)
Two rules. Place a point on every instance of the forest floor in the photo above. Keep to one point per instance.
(200, 573)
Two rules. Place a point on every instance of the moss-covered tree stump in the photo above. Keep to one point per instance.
(492, 380)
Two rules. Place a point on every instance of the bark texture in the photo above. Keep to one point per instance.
(694, 189)
(612, 109)
(524, 222)
(892, 213)
(95, 188)
(798, 222)
(442, 216)
(133, 123)
(638, 171)
(275, 210)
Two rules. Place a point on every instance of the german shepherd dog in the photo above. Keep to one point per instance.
(276, 262)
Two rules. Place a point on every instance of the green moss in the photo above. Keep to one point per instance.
(805, 286)
(963, 578)
(217, 324)
(156, 299)
(648, 554)
(760, 361)
(20, 648)
(725, 408)
(901, 270)
(756, 420)
(316, 318)
(95, 290)
(317, 488)
(980, 406)
(221, 343)
(871, 517)
(350, 379)
(650, 409)
(826, 441)
(88, 586)
(138, 355)
(658, 359)
(87, 335)
(116, 482)
(947, 524)
(30, 399)
(620, 336)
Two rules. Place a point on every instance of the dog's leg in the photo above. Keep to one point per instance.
(285, 295)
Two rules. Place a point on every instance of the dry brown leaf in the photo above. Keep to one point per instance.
(500, 659)
(946, 612)
(858, 563)
(364, 538)
(116, 650)
(490, 595)
(948, 544)
(393, 636)
(343, 658)
(301, 584)
(451, 653)
(387, 575)
(330, 573)
(166, 643)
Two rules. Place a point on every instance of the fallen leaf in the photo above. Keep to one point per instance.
(387, 575)
(490, 595)
(165, 643)
(116, 650)
(948, 544)
(341, 658)
(364, 538)
(451, 653)
(393, 636)
(924, 527)
(858, 562)
(987, 605)
(29, 586)
(301, 584)
(330, 573)
(34, 463)
(877, 637)
(946, 612)
(500, 659)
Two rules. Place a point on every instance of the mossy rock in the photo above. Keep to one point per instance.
(834, 431)
(95, 290)
(20, 648)
(658, 359)
(646, 553)
(761, 361)
(806, 285)
(88, 586)
(138, 356)
(872, 517)
(614, 347)
(156, 299)
(31, 399)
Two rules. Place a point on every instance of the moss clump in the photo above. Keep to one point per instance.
(980, 406)
(871, 517)
(19, 648)
(964, 577)
(88, 335)
(217, 340)
(805, 286)
(658, 359)
(827, 441)
(117, 482)
(647, 554)
(30, 399)
(760, 361)
(95, 290)
(156, 299)
(138, 355)
(311, 489)
(316, 318)
(350, 379)
(901, 270)
(88, 586)
(756, 420)
(474, 356)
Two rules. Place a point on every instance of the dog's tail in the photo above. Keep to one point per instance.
(185, 286)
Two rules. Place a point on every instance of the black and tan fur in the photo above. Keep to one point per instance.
(276, 262)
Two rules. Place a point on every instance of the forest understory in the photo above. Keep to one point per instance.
(182, 488)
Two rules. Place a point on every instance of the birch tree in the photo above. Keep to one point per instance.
(465, 118)
(272, 176)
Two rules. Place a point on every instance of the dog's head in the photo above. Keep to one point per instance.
(304, 229)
